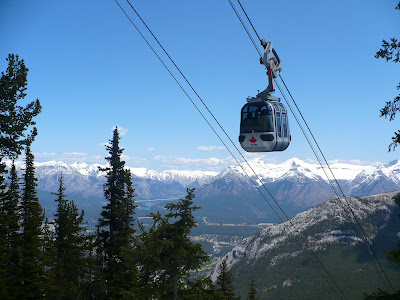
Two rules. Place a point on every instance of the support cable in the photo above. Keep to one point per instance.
(364, 236)
(226, 136)
(248, 19)
(323, 169)
(245, 28)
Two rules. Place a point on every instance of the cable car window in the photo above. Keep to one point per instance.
(278, 124)
(284, 124)
(256, 117)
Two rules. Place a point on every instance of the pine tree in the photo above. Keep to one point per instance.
(15, 119)
(201, 289)
(13, 237)
(3, 233)
(97, 286)
(116, 225)
(382, 295)
(48, 258)
(32, 220)
(167, 255)
(185, 255)
(70, 248)
(390, 51)
(225, 281)
(252, 290)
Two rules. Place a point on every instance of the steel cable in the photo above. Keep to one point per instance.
(224, 133)
(364, 237)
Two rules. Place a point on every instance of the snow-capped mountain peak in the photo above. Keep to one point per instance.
(295, 180)
(89, 179)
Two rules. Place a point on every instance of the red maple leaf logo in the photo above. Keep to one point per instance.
(253, 140)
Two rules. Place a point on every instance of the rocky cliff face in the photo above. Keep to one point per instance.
(282, 253)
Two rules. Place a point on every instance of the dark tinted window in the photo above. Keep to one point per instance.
(278, 124)
(256, 117)
(284, 124)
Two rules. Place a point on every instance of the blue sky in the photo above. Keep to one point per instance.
(91, 71)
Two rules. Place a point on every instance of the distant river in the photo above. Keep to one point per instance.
(146, 204)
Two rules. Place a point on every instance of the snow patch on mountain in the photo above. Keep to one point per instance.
(332, 213)
(303, 184)
(184, 177)
(311, 170)
(89, 179)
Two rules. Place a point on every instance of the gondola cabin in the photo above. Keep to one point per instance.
(264, 126)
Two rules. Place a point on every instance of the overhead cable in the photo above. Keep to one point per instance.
(364, 236)
(223, 131)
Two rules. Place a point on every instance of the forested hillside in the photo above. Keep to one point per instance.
(112, 231)
(58, 258)
(321, 253)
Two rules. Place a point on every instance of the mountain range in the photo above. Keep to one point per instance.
(320, 253)
(296, 185)
(233, 212)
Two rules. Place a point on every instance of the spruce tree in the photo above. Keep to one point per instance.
(3, 233)
(167, 255)
(252, 290)
(32, 220)
(201, 289)
(225, 281)
(48, 258)
(116, 225)
(184, 256)
(13, 237)
(15, 119)
(97, 286)
(70, 247)
(390, 51)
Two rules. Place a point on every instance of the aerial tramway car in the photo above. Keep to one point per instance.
(264, 125)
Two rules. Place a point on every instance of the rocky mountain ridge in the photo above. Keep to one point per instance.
(360, 175)
(330, 231)
(296, 185)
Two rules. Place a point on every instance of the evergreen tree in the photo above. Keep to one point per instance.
(97, 286)
(390, 51)
(15, 119)
(167, 255)
(70, 248)
(116, 225)
(13, 236)
(225, 281)
(32, 220)
(201, 289)
(382, 295)
(3, 233)
(252, 290)
(48, 258)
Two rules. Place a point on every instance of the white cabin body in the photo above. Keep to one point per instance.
(264, 126)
